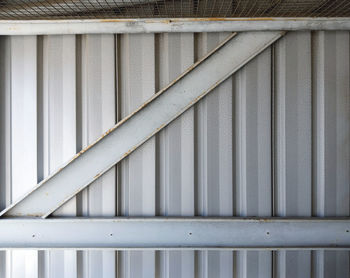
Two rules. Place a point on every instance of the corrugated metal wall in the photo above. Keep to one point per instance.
(273, 140)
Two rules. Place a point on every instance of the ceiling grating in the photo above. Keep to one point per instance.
(103, 9)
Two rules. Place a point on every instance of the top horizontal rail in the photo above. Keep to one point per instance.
(119, 26)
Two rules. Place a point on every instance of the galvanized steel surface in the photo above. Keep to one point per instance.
(271, 140)
(175, 233)
(144, 122)
(169, 25)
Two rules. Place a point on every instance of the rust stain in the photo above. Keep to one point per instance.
(136, 20)
(107, 132)
(159, 128)
(117, 20)
(85, 149)
(141, 107)
(98, 175)
(59, 170)
(128, 152)
(228, 19)
(33, 214)
(90, 146)
(265, 220)
(179, 20)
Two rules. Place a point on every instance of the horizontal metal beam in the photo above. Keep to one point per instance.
(147, 120)
(175, 233)
(118, 26)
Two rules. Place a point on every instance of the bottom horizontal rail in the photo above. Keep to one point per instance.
(175, 233)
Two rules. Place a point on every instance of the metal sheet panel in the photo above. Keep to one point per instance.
(23, 146)
(331, 131)
(253, 179)
(175, 153)
(57, 131)
(214, 161)
(5, 134)
(97, 113)
(293, 146)
(136, 80)
(272, 140)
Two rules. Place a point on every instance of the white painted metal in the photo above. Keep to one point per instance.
(331, 140)
(5, 134)
(293, 142)
(214, 131)
(137, 173)
(324, 46)
(175, 153)
(97, 109)
(140, 126)
(112, 26)
(23, 122)
(57, 119)
(253, 156)
(177, 233)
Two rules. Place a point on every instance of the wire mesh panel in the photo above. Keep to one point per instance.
(85, 9)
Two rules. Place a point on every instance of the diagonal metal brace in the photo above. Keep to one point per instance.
(146, 121)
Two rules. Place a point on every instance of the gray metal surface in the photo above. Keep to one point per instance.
(176, 166)
(137, 193)
(321, 57)
(57, 128)
(175, 233)
(21, 57)
(293, 165)
(253, 157)
(97, 113)
(174, 25)
(331, 139)
(143, 122)
(214, 166)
